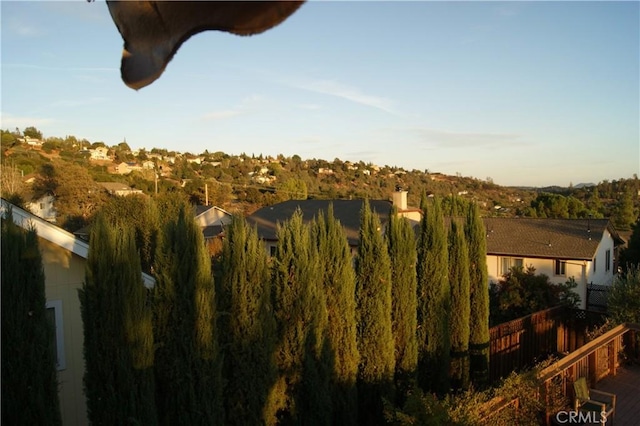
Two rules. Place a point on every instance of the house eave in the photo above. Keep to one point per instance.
(55, 234)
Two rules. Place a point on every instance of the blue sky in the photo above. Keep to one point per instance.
(527, 93)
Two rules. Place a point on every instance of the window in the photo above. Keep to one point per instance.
(594, 263)
(506, 263)
(560, 267)
(272, 251)
(54, 313)
(607, 261)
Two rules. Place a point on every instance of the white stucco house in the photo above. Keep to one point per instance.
(43, 207)
(100, 153)
(585, 249)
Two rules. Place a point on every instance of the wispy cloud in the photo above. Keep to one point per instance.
(221, 115)
(447, 139)
(350, 93)
(24, 29)
(248, 105)
(9, 121)
(78, 102)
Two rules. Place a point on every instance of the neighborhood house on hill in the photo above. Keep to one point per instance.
(100, 153)
(64, 258)
(43, 207)
(119, 189)
(585, 249)
(211, 220)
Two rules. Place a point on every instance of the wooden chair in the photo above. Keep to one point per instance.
(592, 400)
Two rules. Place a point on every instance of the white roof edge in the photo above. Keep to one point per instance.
(56, 235)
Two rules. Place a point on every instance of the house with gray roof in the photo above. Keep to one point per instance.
(583, 249)
(267, 218)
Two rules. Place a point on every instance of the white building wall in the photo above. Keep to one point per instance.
(213, 216)
(43, 207)
(578, 269)
(601, 275)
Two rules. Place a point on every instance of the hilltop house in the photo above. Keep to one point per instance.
(126, 168)
(64, 257)
(43, 207)
(585, 249)
(211, 220)
(99, 154)
(119, 189)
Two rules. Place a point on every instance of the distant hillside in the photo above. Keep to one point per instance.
(243, 183)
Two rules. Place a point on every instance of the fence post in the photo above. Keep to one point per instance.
(592, 362)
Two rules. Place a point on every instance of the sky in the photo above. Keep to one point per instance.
(524, 93)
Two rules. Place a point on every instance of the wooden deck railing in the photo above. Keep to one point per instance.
(594, 360)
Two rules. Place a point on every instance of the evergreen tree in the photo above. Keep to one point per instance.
(249, 365)
(433, 300)
(187, 368)
(29, 376)
(338, 280)
(624, 214)
(142, 215)
(476, 236)
(460, 307)
(301, 316)
(375, 335)
(118, 331)
(630, 255)
(403, 256)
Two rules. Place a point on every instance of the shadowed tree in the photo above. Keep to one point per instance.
(250, 337)
(460, 307)
(187, 368)
(77, 196)
(338, 281)
(476, 236)
(142, 214)
(433, 300)
(118, 331)
(375, 336)
(403, 256)
(29, 376)
(301, 315)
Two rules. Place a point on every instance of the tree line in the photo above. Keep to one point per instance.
(311, 335)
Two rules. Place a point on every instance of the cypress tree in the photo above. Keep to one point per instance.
(118, 331)
(301, 316)
(249, 365)
(479, 292)
(460, 307)
(29, 377)
(187, 368)
(338, 281)
(375, 336)
(433, 300)
(403, 256)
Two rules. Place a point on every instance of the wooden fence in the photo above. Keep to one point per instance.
(595, 360)
(524, 341)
